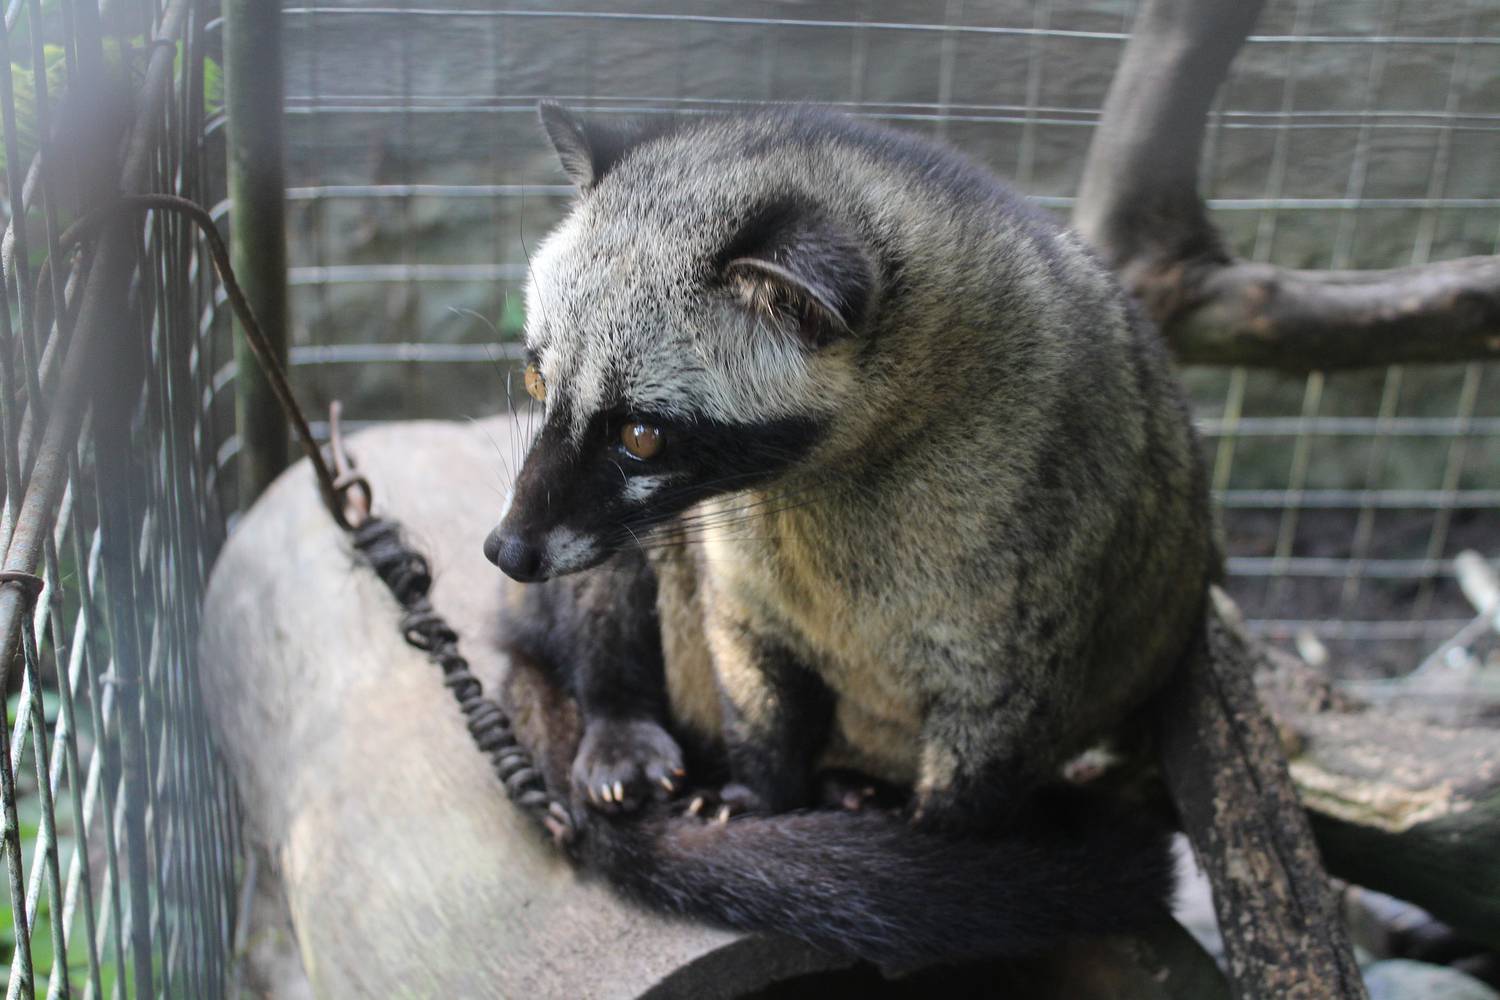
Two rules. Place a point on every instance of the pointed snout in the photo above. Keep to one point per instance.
(555, 515)
(519, 557)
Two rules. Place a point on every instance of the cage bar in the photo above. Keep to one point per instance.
(257, 184)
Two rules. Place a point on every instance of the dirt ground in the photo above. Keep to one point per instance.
(1329, 534)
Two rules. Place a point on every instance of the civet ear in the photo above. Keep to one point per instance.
(812, 277)
(590, 147)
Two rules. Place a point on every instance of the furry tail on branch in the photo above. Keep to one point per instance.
(868, 884)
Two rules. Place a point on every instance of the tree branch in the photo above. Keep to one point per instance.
(1223, 765)
(1138, 201)
(1139, 205)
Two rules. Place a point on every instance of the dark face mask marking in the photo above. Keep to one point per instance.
(573, 505)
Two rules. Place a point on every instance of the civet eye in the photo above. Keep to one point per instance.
(536, 386)
(641, 440)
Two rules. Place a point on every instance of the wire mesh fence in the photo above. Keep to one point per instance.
(1351, 135)
(121, 835)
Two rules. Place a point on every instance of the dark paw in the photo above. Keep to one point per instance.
(855, 792)
(969, 811)
(623, 763)
(947, 812)
(719, 805)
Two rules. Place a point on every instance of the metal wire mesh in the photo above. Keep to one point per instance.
(121, 836)
(1351, 134)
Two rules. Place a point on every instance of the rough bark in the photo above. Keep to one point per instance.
(1397, 803)
(1139, 205)
(1256, 314)
(1224, 768)
(1387, 813)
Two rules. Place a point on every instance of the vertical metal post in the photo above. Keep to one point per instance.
(253, 82)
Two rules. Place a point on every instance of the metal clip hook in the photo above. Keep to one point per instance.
(352, 488)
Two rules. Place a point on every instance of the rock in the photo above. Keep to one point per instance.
(1401, 979)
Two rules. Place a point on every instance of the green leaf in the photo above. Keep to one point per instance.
(23, 85)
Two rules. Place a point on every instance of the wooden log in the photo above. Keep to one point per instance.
(1397, 803)
(406, 870)
(1423, 826)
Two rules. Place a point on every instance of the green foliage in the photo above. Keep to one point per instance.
(44, 949)
(213, 82)
(213, 87)
(512, 318)
(23, 86)
(51, 704)
(121, 63)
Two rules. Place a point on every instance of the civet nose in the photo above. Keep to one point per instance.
(518, 558)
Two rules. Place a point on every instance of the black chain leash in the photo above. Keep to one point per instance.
(405, 571)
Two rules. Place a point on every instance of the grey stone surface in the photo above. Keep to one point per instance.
(406, 871)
